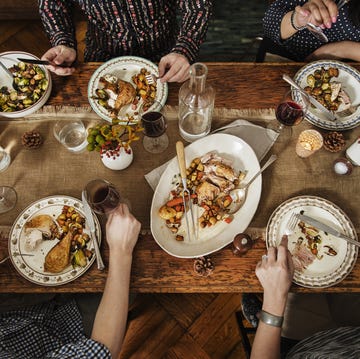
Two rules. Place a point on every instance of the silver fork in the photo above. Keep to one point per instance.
(291, 224)
(151, 79)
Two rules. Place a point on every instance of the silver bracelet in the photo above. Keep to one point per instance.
(271, 319)
(297, 28)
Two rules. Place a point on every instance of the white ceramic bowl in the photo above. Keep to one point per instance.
(9, 59)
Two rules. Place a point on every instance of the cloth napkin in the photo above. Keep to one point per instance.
(260, 139)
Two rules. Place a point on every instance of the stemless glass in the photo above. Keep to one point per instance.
(8, 198)
(102, 196)
(154, 123)
(290, 113)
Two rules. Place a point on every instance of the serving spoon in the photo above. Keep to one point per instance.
(238, 195)
(8, 72)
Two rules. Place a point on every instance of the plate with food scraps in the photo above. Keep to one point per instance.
(336, 85)
(36, 232)
(320, 259)
(223, 159)
(118, 88)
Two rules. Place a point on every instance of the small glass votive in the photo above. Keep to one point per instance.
(309, 141)
(5, 159)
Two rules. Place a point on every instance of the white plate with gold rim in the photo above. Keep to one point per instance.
(329, 270)
(124, 68)
(30, 264)
(218, 236)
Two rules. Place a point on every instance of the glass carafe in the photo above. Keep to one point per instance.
(196, 104)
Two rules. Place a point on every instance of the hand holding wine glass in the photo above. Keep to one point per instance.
(102, 196)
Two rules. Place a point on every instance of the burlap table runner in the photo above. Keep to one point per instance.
(52, 170)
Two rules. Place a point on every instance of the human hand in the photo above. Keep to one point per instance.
(174, 67)
(275, 272)
(321, 13)
(122, 230)
(60, 55)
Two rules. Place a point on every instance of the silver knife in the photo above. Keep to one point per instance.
(40, 62)
(324, 227)
(329, 115)
(90, 221)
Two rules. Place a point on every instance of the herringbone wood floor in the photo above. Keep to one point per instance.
(161, 326)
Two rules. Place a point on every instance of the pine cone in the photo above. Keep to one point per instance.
(31, 139)
(203, 266)
(334, 141)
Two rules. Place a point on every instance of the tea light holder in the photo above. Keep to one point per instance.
(308, 143)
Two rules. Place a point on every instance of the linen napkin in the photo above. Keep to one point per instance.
(260, 139)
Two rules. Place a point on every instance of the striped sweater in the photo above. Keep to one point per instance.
(146, 28)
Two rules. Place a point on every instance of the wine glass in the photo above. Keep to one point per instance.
(317, 30)
(290, 112)
(102, 196)
(154, 123)
(8, 198)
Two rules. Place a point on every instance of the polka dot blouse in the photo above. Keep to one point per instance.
(303, 43)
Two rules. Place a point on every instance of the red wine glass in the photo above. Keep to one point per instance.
(290, 112)
(154, 123)
(102, 196)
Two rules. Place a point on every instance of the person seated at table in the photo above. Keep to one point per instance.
(142, 28)
(275, 272)
(55, 330)
(285, 24)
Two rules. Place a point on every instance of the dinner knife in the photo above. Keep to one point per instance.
(329, 115)
(324, 227)
(40, 62)
(91, 223)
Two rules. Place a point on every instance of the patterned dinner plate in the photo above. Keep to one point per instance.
(350, 80)
(124, 68)
(326, 270)
(30, 263)
(213, 238)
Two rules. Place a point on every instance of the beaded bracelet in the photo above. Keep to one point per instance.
(297, 28)
(271, 319)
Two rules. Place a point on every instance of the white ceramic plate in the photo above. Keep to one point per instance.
(32, 267)
(350, 80)
(10, 59)
(124, 68)
(216, 237)
(329, 270)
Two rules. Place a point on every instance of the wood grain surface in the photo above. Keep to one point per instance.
(238, 86)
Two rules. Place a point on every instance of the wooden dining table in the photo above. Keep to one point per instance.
(243, 90)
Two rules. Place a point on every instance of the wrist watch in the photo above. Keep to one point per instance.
(297, 28)
(271, 319)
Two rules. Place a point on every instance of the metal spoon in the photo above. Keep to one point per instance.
(238, 195)
(14, 85)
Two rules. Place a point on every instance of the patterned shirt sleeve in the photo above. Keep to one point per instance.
(57, 21)
(86, 348)
(193, 28)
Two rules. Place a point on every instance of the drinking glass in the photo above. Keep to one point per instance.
(102, 196)
(289, 112)
(71, 134)
(8, 198)
(154, 123)
(5, 159)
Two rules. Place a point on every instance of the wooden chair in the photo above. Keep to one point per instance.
(244, 332)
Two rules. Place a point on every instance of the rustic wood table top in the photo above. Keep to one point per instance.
(238, 86)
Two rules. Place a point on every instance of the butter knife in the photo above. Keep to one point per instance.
(329, 115)
(91, 223)
(324, 227)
